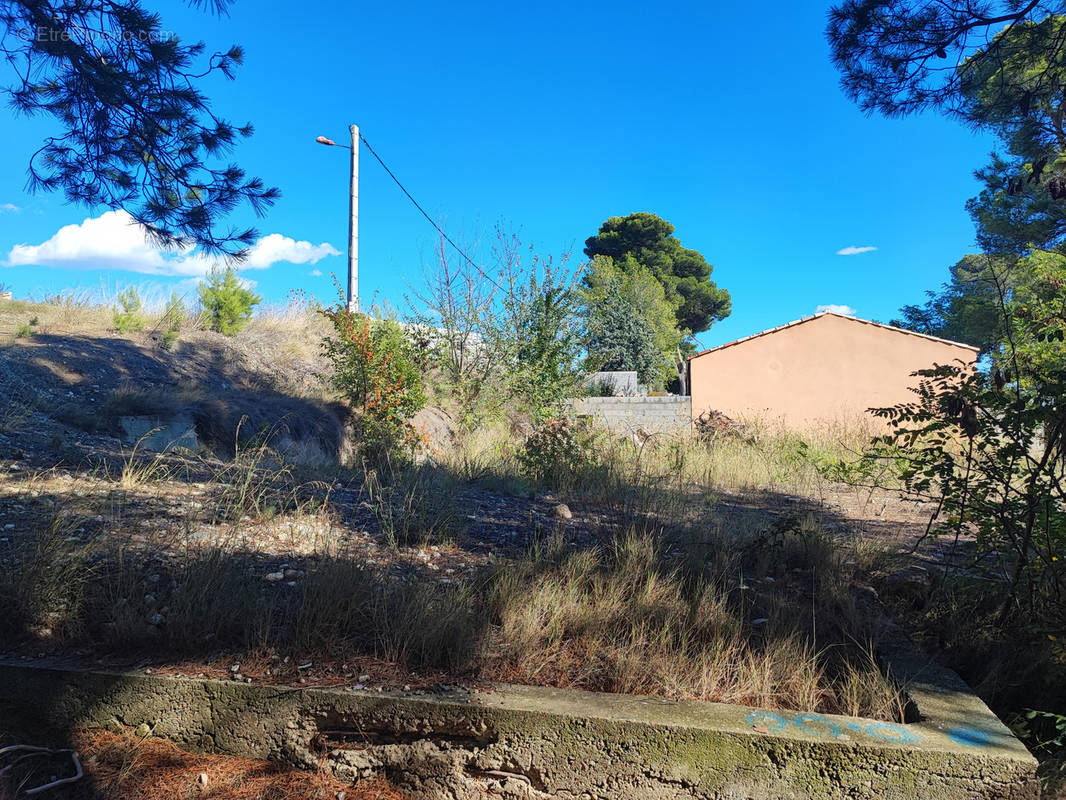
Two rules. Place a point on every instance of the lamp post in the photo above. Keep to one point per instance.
(353, 216)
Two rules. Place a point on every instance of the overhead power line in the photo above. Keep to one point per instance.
(440, 230)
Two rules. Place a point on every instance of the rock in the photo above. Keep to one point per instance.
(913, 580)
(562, 511)
(142, 731)
(274, 577)
(293, 573)
(436, 424)
(913, 575)
(202, 780)
(157, 619)
(235, 668)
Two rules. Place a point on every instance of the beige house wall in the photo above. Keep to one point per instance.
(827, 367)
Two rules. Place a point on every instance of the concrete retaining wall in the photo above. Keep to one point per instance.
(528, 742)
(159, 435)
(669, 414)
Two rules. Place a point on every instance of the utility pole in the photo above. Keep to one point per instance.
(353, 217)
(353, 225)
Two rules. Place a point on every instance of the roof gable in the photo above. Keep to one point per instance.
(820, 314)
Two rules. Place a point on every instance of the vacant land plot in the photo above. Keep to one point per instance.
(738, 570)
(713, 573)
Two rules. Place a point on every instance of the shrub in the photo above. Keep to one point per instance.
(554, 451)
(174, 316)
(375, 369)
(128, 317)
(544, 343)
(226, 302)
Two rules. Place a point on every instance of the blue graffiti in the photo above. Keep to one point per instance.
(805, 722)
(819, 726)
(971, 737)
(889, 732)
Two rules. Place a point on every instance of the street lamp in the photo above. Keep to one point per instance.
(353, 216)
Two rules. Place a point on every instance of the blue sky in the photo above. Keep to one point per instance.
(551, 118)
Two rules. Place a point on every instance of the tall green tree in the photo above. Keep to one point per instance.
(535, 334)
(132, 129)
(903, 56)
(1037, 323)
(618, 339)
(1019, 96)
(989, 446)
(1013, 214)
(647, 240)
(996, 65)
(544, 350)
(628, 322)
(968, 307)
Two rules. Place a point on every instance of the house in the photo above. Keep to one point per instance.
(828, 367)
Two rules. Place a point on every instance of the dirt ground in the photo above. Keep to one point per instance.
(127, 766)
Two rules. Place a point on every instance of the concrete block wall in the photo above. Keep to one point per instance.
(669, 414)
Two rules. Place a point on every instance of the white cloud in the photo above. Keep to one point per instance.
(274, 248)
(854, 251)
(108, 241)
(9, 208)
(315, 273)
(114, 241)
(836, 308)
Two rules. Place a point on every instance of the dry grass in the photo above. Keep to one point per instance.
(17, 402)
(630, 620)
(670, 607)
(774, 459)
(673, 603)
(675, 600)
(122, 766)
(289, 332)
(66, 313)
(413, 506)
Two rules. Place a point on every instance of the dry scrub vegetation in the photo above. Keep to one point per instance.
(715, 571)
